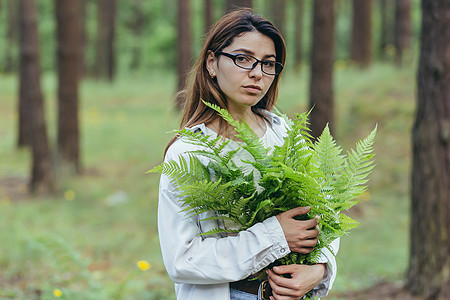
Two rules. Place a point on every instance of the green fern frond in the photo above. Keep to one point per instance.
(251, 141)
(297, 173)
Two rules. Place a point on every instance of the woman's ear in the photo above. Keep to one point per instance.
(211, 64)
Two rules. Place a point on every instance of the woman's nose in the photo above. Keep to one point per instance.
(256, 72)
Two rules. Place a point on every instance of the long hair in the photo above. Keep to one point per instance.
(202, 86)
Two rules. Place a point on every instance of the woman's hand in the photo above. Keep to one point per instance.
(301, 235)
(302, 279)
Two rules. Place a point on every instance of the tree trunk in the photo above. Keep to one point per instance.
(30, 93)
(321, 84)
(184, 45)
(233, 4)
(278, 13)
(429, 265)
(11, 28)
(361, 48)
(209, 9)
(83, 38)
(402, 28)
(136, 25)
(24, 136)
(299, 8)
(106, 54)
(69, 42)
(386, 20)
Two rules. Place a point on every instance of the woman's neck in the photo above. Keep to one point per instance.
(256, 123)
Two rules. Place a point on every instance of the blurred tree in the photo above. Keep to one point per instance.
(136, 25)
(299, 8)
(233, 4)
(69, 47)
(30, 94)
(11, 28)
(106, 38)
(429, 264)
(361, 45)
(83, 38)
(321, 83)
(278, 14)
(386, 22)
(209, 10)
(402, 28)
(184, 45)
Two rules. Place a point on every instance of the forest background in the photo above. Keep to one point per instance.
(95, 236)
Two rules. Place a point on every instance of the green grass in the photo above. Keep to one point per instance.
(88, 247)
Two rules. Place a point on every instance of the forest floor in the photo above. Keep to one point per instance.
(87, 238)
(380, 291)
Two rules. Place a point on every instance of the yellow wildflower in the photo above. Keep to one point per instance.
(69, 195)
(57, 293)
(144, 265)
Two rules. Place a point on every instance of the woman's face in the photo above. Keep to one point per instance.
(243, 88)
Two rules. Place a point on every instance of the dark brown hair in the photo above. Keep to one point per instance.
(202, 87)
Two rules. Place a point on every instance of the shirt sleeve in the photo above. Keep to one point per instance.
(329, 259)
(190, 258)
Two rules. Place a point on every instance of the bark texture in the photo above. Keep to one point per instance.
(278, 13)
(106, 36)
(41, 181)
(322, 60)
(69, 54)
(299, 9)
(361, 48)
(184, 45)
(402, 28)
(429, 266)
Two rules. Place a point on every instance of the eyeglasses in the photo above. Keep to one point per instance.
(248, 62)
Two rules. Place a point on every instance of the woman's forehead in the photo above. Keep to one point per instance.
(253, 42)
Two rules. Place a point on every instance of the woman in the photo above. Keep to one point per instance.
(238, 69)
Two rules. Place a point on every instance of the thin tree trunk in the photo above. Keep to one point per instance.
(184, 45)
(83, 38)
(24, 135)
(136, 24)
(106, 54)
(386, 26)
(11, 28)
(361, 48)
(321, 83)
(209, 9)
(30, 93)
(278, 13)
(402, 28)
(429, 265)
(234, 4)
(68, 37)
(299, 8)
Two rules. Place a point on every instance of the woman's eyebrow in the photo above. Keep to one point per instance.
(246, 51)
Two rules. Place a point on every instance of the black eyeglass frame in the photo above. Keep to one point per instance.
(234, 56)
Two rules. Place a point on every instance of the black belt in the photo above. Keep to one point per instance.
(251, 286)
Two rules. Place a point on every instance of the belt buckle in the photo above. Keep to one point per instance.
(265, 290)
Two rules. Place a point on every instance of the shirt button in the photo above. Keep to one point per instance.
(190, 258)
(282, 250)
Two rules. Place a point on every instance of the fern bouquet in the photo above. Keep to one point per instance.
(298, 173)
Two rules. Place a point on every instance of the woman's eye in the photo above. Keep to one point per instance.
(269, 64)
(242, 58)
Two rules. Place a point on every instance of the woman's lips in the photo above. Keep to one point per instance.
(254, 89)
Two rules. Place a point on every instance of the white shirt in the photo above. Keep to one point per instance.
(202, 267)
